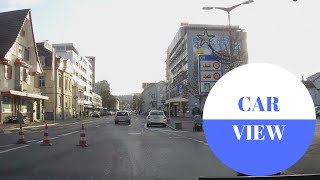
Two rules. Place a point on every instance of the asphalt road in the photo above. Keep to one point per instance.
(114, 152)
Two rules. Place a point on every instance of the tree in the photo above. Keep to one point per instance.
(230, 50)
(137, 102)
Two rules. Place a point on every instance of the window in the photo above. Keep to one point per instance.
(60, 101)
(42, 81)
(6, 104)
(26, 54)
(23, 33)
(60, 81)
(70, 85)
(66, 102)
(7, 71)
(66, 83)
(20, 51)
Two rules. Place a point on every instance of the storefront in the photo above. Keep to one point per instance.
(29, 104)
(178, 107)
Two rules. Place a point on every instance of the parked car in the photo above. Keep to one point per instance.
(317, 110)
(95, 114)
(156, 117)
(122, 116)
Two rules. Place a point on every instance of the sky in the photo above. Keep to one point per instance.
(129, 38)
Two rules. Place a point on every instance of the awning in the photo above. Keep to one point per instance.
(176, 99)
(24, 94)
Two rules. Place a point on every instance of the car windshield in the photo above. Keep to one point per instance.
(122, 113)
(156, 113)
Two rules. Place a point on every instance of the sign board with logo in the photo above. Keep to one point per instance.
(264, 126)
(209, 72)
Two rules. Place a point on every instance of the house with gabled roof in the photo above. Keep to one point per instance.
(313, 85)
(19, 65)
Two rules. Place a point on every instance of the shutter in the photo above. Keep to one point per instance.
(6, 71)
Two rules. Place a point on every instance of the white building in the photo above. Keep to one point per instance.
(154, 95)
(82, 74)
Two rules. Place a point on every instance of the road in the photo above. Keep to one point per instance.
(114, 152)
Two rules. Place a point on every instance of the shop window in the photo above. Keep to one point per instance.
(6, 104)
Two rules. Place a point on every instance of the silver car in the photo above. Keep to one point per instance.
(122, 116)
(156, 117)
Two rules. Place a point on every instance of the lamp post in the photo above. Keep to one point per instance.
(228, 10)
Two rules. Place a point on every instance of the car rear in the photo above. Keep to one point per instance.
(156, 118)
(122, 116)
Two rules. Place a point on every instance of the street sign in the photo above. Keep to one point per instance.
(163, 101)
(209, 72)
(180, 88)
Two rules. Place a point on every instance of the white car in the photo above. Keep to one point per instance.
(156, 117)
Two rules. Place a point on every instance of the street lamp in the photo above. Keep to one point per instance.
(228, 9)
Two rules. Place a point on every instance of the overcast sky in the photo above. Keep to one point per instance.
(129, 37)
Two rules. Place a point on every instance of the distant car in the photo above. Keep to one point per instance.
(95, 114)
(156, 117)
(122, 116)
(317, 110)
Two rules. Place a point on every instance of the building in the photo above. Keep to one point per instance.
(92, 60)
(313, 85)
(154, 96)
(97, 102)
(184, 91)
(82, 77)
(55, 82)
(19, 65)
(117, 108)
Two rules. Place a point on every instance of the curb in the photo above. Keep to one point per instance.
(172, 127)
(28, 127)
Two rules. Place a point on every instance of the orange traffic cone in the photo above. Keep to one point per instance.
(82, 142)
(46, 140)
(21, 137)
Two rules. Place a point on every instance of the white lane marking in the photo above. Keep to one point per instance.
(7, 145)
(14, 149)
(192, 139)
(135, 133)
(54, 138)
(33, 140)
(39, 142)
(66, 134)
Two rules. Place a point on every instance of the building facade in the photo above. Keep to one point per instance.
(154, 96)
(55, 82)
(183, 92)
(19, 65)
(92, 60)
(97, 102)
(82, 77)
(313, 85)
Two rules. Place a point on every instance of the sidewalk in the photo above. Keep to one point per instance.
(16, 126)
(187, 123)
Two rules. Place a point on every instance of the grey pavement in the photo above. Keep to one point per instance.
(115, 152)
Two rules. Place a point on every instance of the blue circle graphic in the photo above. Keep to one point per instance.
(261, 125)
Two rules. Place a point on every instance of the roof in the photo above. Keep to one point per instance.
(314, 77)
(308, 84)
(11, 23)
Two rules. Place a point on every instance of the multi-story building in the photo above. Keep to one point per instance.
(19, 65)
(97, 102)
(227, 44)
(82, 77)
(55, 82)
(92, 60)
(154, 95)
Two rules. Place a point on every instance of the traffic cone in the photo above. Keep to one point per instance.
(82, 141)
(21, 137)
(46, 140)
